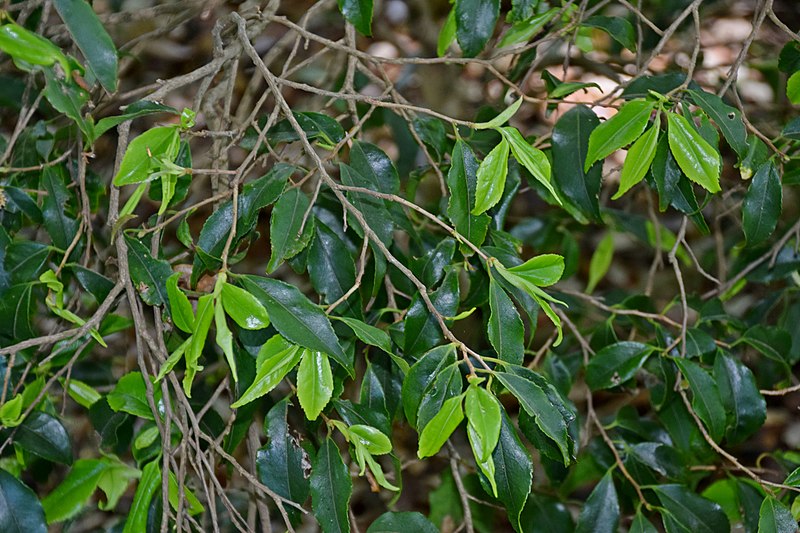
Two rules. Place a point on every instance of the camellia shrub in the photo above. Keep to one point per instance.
(399, 266)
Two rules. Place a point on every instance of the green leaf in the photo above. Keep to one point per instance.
(686, 511)
(140, 108)
(491, 178)
(543, 270)
(391, 522)
(369, 334)
(181, 309)
(618, 28)
(141, 156)
(728, 119)
(44, 435)
(615, 364)
(422, 330)
(793, 88)
(276, 358)
(513, 472)
(536, 403)
(438, 430)
(74, 492)
(475, 22)
(600, 514)
(114, 482)
(618, 131)
(501, 118)
(91, 37)
(281, 463)
(130, 396)
(570, 139)
(741, 398)
(243, 308)
(332, 270)
(290, 227)
(359, 14)
(545, 513)
(706, 399)
(790, 131)
(331, 488)
(641, 524)
(224, 339)
(793, 478)
(523, 30)
(149, 483)
(762, 205)
(314, 383)
(69, 98)
(24, 45)
(61, 227)
(559, 89)
(448, 384)
(505, 329)
(10, 412)
(529, 157)
(463, 181)
(483, 414)
(775, 517)
(698, 160)
(372, 439)
(601, 260)
(202, 323)
(20, 510)
(421, 376)
(149, 275)
(316, 126)
(295, 317)
(639, 158)
(447, 34)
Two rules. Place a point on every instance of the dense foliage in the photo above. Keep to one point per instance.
(401, 266)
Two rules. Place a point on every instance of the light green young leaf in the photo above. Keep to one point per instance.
(491, 178)
(500, 119)
(373, 440)
(83, 394)
(225, 338)
(141, 156)
(243, 307)
(698, 160)
(639, 158)
(601, 260)
(148, 484)
(543, 270)
(483, 415)
(523, 30)
(529, 157)
(793, 88)
(314, 383)
(441, 426)
(486, 464)
(180, 307)
(618, 131)
(205, 314)
(24, 45)
(275, 359)
(447, 34)
(173, 359)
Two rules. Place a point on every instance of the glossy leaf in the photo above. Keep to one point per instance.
(618, 28)
(475, 22)
(698, 160)
(24, 45)
(491, 178)
(570, 140)
(422, 330)
(295, 317)
(793, 88)
(601, 512)
(332, 270)
(544, 513)
(762, 205)
(93, 40)
(130, 396)
(523, 30)
(331, 488)
(615, 364)
(543, 270)
(483, 414)
(149, 275)
(706, 399)
(421, 376)
(181, 309)
(359, 14)
(149, 483)
(775, 517)
(314, 383)
(502, 117)
(438, 430)
(61, 227)
(141, 156)
(276, 358)
(20, 510)
(202, 323)
(728, 119)
(746, 407)
(448, 384)
(618, 131)
(290, 227)
(684, 510)
(639, 159)
(243, 307)
(390, 522)
(44, 435)
(224, 339)
(529, 157)
(505, 329)
(513, 471)
(372, 439)
(462, 181)
(136, 109)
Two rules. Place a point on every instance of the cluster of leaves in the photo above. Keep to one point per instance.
(412, 312)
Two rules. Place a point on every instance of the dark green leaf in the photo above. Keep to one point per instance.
(570, 140)
(789, 58)
(513, 471)
(616, 364)
(91, 37)
(618, 131)
(420, 377)
(314, 125)
(295, 317)
(422, 330)
(95, 284)
(618, 28)
(44, 435)
(331, 488)
(744, 404)
(706, 399)
(600, 514)
(792, 130)
(505, 329)
(728, 119)
(686, 511)
(462, 181)
(358, 13)
(697, 159)
(475, 21)
(641, 524)
(390, 522)
(25, 260)
(332, 270)
(55, 208)
(775, 517)
(762, 205)
(149, 275)
(290, 227)
(543, 514)
(448, 384)
(69, 98)
(432, 132)
(20, 510)
(773, 342)
(559, 89)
